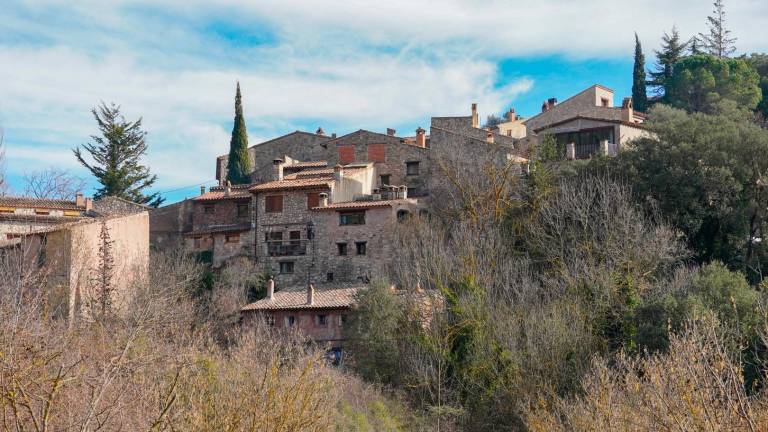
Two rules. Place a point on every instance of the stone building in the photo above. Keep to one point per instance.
(588, 123)
(61, 239)
(319, 314)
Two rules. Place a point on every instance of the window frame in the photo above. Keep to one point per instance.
(321, 320)
(247, 212)
(209, 209)
(361, 246)
(345, 221)
(342, 249)
(413, 168)
(313, 198)
(289, 265)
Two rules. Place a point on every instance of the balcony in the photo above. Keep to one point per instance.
(280, 248)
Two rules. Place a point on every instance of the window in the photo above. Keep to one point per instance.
(273, 236)
(286, 267)
(209, 209)
(403, 215)
(243, 210)
(232, 238)
(385, 180)
(273, 204)
(321, 320)
(377, 152)
(352, 218)
(7, 210)
(197, 242)
(604, 101)
(329, 277)
(290, 321)
(68, 212)
(342, 319)
(270, 320)
(313, 200)
(342, 247)
(346, 154)
(361, 247)
(42, 212)
(412, 168)
(295, 237)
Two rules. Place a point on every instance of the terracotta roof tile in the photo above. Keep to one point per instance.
(289, 300)
(246, 226)
(308, 164)
(351, 205)
(28, 202)
(220, 194)
(293, 184)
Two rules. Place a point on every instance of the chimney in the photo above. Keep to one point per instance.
(333, 135)
(320, 131)
(88, 204)
(489, 137)
(79, 200)
(511, 115)
(548, 104)
(271, 289)
(228, 188)
(338, 172)
(391, 132)
(627, 111)
(604, 149)
(202, 190)
(323, 199)
(475, 118)
(277, 172)
(421, 139)
(403, 192)
(310, 294)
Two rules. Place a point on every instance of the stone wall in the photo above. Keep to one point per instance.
(306, 322)
(168, 224)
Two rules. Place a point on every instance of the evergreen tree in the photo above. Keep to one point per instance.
(639, 97)
(671, 51)
(116, 157)
(239, 164)
(718, 42)
(694, 46)
(103, 287)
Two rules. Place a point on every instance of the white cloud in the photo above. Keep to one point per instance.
(344, 64)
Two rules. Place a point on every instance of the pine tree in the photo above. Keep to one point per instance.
(718, 42)
(694, 46)
(239, 164)
(116, 157)
(639, 96)
(671, 51)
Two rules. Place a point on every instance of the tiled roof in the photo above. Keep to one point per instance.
(293, 184)
(28, 202)
(221, 229)
(218, 193)
(363, 204)
(40, 219)
(290, 300)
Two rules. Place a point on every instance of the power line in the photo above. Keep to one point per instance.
(186, 187)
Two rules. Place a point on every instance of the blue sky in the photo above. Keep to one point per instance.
(342, 65)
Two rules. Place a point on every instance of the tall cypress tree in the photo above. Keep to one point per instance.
(639, 97)
(239, 164)
(116, 155)
(718, 42)
(671, 51)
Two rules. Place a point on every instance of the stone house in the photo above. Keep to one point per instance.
(61, 239)
(222, 224)
(588, 123)
(319, 314)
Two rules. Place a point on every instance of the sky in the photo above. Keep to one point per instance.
(343, 65)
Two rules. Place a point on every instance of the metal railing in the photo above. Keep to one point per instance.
(277, 248)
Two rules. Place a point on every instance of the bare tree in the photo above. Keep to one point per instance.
(52, 183)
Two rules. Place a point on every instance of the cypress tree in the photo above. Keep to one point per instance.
(671, 51)
(239, 164)
(116, 157)
(639, 97)
(718, 42)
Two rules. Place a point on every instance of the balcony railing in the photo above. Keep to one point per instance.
(278, 248)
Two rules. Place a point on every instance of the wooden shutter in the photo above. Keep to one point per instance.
(274, 204)
(313, 199)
